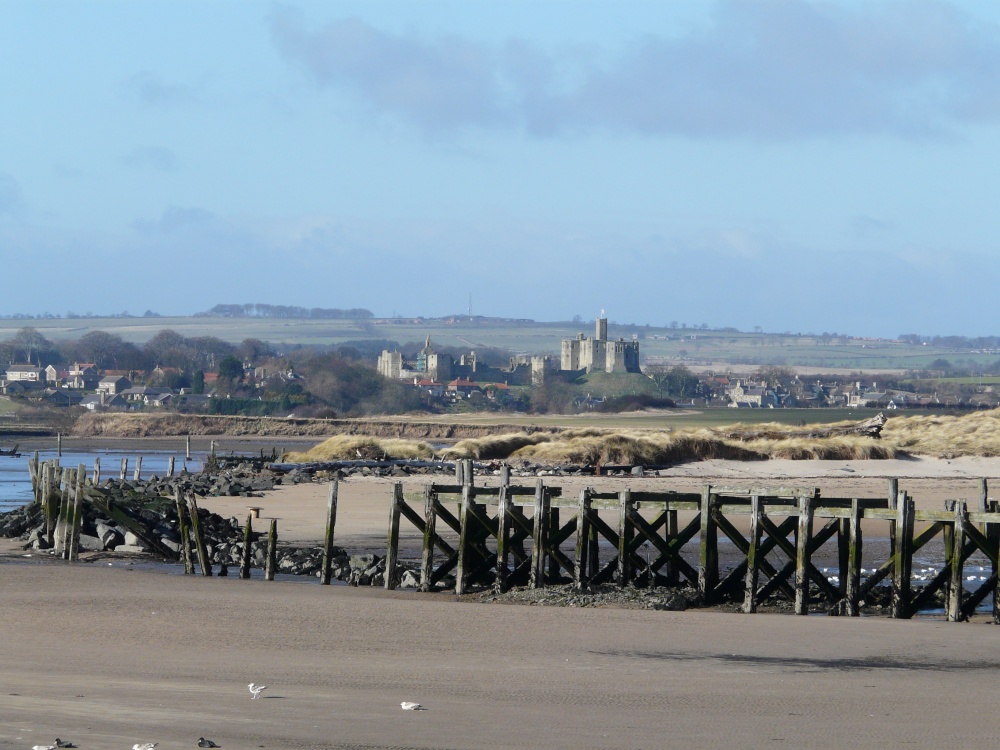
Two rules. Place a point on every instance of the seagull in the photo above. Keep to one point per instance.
(408, 706)
(202, 742)
(255, 689)
(144, 745)
(60, 743)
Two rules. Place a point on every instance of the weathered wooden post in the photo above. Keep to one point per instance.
(331, 522)
(97, 471)
(853, 590)
(170, 466)
(392, 547)
(247, 553)
(182, 530)
(583, 531)
(501, 583)
(893, 497)
(74, 539)
(62, 520)
(953, 604)
(59, 444)
(51, 502)
(212, 450)
(626, 529)
(272, 550)
(465, 537)
(124, 470)
(33, 473)
(138, 469)
(187, 448)
(540, 515)
(753, 564)
(460, 472)
(199, 540)
(903, 559)
(708, 556)
(802, 557)
(430, 534)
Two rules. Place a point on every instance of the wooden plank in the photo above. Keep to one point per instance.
(392, 543)
(199, 541)
(182, 529)
(331, 522)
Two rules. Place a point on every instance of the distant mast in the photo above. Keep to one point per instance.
(470, 307)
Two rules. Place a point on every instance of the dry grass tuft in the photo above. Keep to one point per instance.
(974, 434)
(346, 447)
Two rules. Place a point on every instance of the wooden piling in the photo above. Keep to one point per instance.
(953, 604)
(187, 448)
(182, 530)
(62, 520)
(464, 540)
(170, 466)
(503, 536)
(392, 547)
(708, 555)
(903, 557)
(852, 592)
(199, 540)
(331, 522)
(626, 531)
(59, 444)
(97, 471)
(583, 532)
(272, 550)
(802, 557)
(138, 469)
(77, 523)
(430, 535)
(753, 564)
(540, 514)
(124, 470)
(247, 557)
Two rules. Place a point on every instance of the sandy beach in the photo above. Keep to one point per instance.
(109, 655)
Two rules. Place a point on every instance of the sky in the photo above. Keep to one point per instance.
(798, 165)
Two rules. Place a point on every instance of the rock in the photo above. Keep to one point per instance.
(637, 471)
(132, 540)
(90, 543)
(409, 580)
(135, 549)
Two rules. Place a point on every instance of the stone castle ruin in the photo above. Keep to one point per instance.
(598, 354)
(442, 368)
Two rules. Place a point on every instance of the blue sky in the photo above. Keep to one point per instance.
(795, 165)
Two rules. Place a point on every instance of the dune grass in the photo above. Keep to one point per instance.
(347, 447)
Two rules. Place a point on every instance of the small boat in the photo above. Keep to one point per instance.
(12, 452)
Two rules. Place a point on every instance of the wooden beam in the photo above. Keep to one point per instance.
(331, 522)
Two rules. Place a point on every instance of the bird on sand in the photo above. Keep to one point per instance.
(202, 742)
(60, 743)
(256, 690)
(144, 745)
(408, 706)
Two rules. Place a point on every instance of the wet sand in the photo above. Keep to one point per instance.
(112, 655)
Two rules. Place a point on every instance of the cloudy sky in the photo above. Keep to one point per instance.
(791, 164)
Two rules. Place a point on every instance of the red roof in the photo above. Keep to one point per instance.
(460, 383)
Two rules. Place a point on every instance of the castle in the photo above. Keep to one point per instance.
(597, 353)
(442, 368)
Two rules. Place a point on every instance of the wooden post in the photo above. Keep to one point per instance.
(74, 538)
(993, 534)
(470, 475)
(430, 532)
(247, 556)
(625, 532)
(552, 526)
(953, 604)
(272, 550)
(62, 520)
(464, 539)
(903, 559)
(97, 470)
(753, 564)
(187, 448)
(503, 534)
(138, 469)
(199, 541)
(802, 555)
(537, 574)
(392, 548)
(582, 538)
(673, 574)
(212, 450)
(853, 590)
(124, 470)
(708, 557)
(331, 522)
(460, 472)
(182, 530)
(51, 502)
(170, 466)
(59, 444)
(893, 498)
(505, 475)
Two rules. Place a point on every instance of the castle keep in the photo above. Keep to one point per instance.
(597, 353)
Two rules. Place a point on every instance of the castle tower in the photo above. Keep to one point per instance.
(602, 330)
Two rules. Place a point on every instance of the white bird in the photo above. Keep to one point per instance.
(256, 690)
(202, 742)
(144, 745)
(408, 706)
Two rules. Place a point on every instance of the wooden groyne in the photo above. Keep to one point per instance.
(514, 535)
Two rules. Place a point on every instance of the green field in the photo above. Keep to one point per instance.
(696, 348)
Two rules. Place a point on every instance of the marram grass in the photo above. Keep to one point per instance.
(347, 447)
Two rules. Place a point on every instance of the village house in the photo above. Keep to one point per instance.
(28, 373)
(113, 384)
(104, 402)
